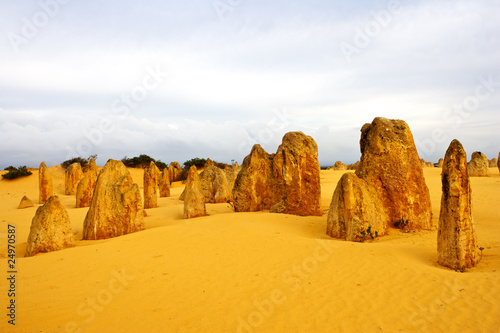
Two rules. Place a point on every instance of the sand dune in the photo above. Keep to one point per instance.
(249, 272)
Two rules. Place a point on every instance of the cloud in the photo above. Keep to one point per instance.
(226, 76)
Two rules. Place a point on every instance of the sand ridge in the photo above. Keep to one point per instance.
(250, 272)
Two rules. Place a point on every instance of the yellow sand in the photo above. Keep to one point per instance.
(249, 272)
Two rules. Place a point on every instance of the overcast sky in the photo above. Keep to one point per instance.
(210, 78)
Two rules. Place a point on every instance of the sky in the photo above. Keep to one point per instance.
(210, 78)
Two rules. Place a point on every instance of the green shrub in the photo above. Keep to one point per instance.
(161, 165)
(402, 224)
(199, 162)
(13, 173)
(365, 234)
(142, 161)
(84, 162)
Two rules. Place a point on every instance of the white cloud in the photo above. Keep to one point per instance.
(226, 76)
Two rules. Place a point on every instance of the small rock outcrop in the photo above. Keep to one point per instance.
(194, 200)
(478, 165)
(353, 166)
(174, 171)
(208, 163)
(390, 163)
(339, 166)
(25, 203)
(86, 186)
(457, 242)
(151, 181)
(440, 163)
(426, 164)
(493, 163)
(50, 229)
(285, 182)
(46, 189)
(164, 184)
(356, 212)
(116, 206)
(73, 176)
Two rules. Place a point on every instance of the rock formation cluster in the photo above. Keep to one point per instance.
(392, 172)
(285, 182)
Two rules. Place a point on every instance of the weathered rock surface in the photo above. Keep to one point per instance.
(457, 242)
(355, 211)
(50, 229)
(440, 163)
(164, 184)
(86, 186)
(73, 176)
(390, 163)
(208, 163)
(215, 185)
(194, 200)
(116, 207)
(339, 166)
(252, 189)
(478, 165)
(151, 189)
(25, 203)
(285, 182)
(353, 166)
(498, 163)
(493, 162)
(46, 189)
(426, 164)
(296, 175)
(174, 171)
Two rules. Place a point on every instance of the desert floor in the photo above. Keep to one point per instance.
(248, 272)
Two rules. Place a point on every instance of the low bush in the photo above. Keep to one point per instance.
(142, 161)
(13, 173)
(84, 162)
